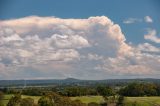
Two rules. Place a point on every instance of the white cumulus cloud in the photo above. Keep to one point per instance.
(148, 19)
(152, 36)
(148, 48)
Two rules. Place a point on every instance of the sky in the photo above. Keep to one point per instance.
(84, 39)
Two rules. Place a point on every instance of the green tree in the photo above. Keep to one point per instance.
(139, 89)
(1, 98)
(45, 101)
(27, 102)
(15, 100)
(105, 91)
(120, 101)
(158, 90)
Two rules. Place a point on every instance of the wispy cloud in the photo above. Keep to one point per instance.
(132, 20)
(146, 19)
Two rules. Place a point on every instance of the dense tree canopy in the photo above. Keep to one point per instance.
(105, 91)
(139, 89)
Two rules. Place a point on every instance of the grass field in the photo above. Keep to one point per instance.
(143, 101)
(88, 99)
(129, 101)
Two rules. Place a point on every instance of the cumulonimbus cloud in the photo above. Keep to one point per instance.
(87, 47)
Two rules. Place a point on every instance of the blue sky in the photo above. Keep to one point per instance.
(139, 21)
(116, 10)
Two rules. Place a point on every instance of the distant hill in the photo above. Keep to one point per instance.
(71, 82)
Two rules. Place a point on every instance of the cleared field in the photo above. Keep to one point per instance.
(143, 101)
(88, 99)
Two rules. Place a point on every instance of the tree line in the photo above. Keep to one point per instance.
(64, 91)
(140, 89)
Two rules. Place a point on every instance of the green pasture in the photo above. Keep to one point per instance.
(88, 99)
(142, 101)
